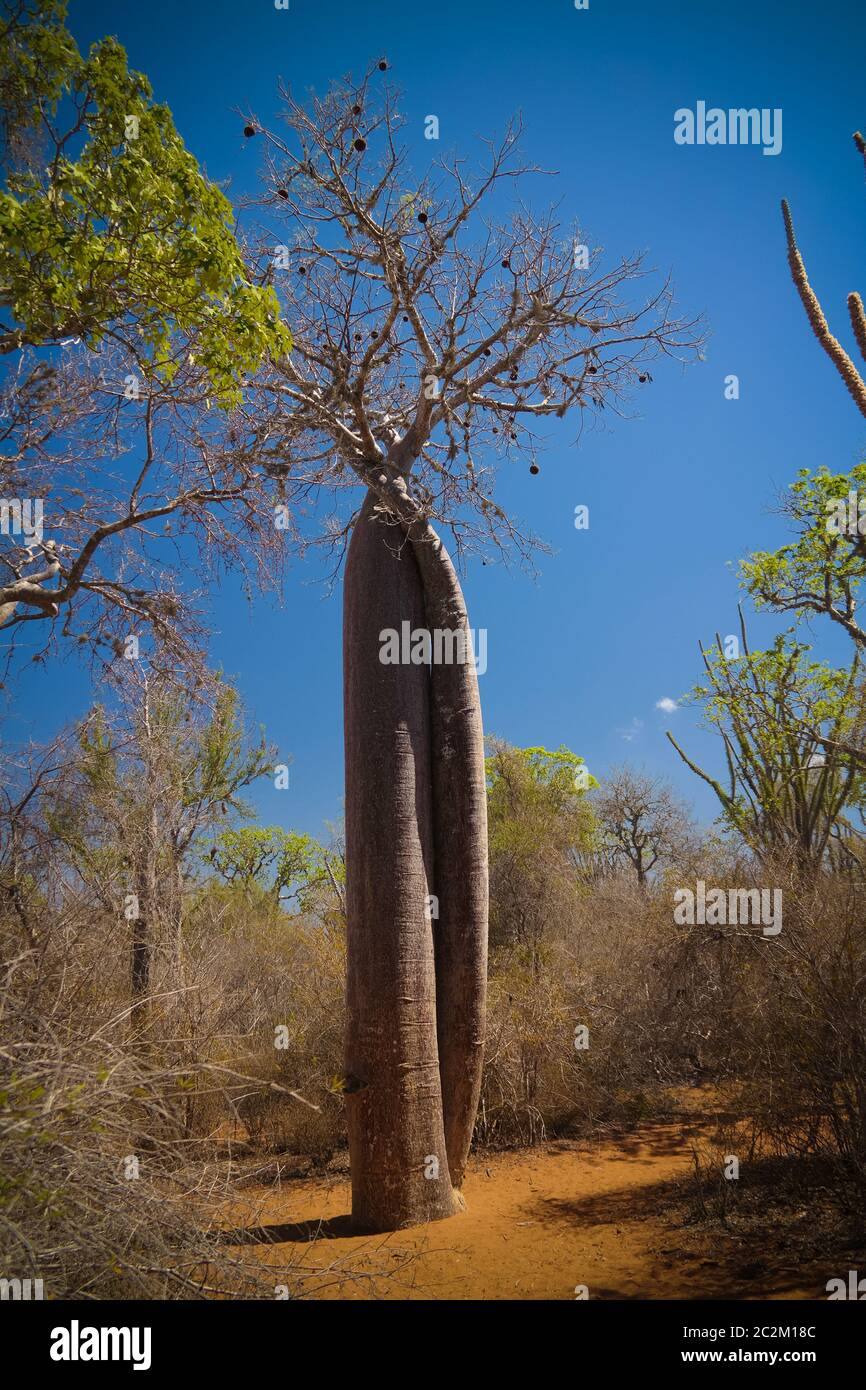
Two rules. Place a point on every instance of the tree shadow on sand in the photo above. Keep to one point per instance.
(298, 1232)
(751, 1258)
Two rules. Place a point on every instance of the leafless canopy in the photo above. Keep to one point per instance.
(143, 482)
(430, 340)
(431, 344)
(642, 823)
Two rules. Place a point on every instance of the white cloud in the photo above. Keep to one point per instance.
(666, 704)
(632, 731)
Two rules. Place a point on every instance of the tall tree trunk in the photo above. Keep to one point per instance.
(140, 961)
(393, 1090)
(460, 856)
(416, 828)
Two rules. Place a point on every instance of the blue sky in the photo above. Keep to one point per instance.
(676, 495)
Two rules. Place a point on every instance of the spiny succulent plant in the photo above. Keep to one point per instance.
(852, 378)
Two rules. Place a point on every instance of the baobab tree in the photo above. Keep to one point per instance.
(430, 345)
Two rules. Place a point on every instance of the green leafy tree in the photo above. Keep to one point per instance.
(779, 716)
(118, 228)
(151, 778)
(540, 827)
(127, 312)
(286, 864)
(821, 570)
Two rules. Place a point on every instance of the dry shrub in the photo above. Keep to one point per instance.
(274, 1011)
(776, 1023)
(609, 970)
(192, 1083)
(93, 1091)
(802, 1031)
(100, 1196)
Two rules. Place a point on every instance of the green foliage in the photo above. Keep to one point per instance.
(220, 762)
(781, 718)
(274, 860)
(190, 766)
(792, 727)
(537, 797)
(36, 52)
(539, 824)
(128, 232)
(773, 681)
(822, 569)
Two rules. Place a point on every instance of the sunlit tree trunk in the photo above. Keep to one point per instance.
(460, 857)
(416, 855)
(400, 1173)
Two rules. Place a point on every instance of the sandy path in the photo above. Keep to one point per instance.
(538, 1223)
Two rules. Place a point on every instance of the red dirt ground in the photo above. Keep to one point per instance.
(537, 1224)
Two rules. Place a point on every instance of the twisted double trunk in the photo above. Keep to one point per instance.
(416, 893)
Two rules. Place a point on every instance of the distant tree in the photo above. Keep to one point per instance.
(151, 777)
(641, 824)
(286, 864)
(540, 824)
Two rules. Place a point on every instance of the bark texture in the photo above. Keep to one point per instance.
(460, 857)
(415, 828)
(393, 1096)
